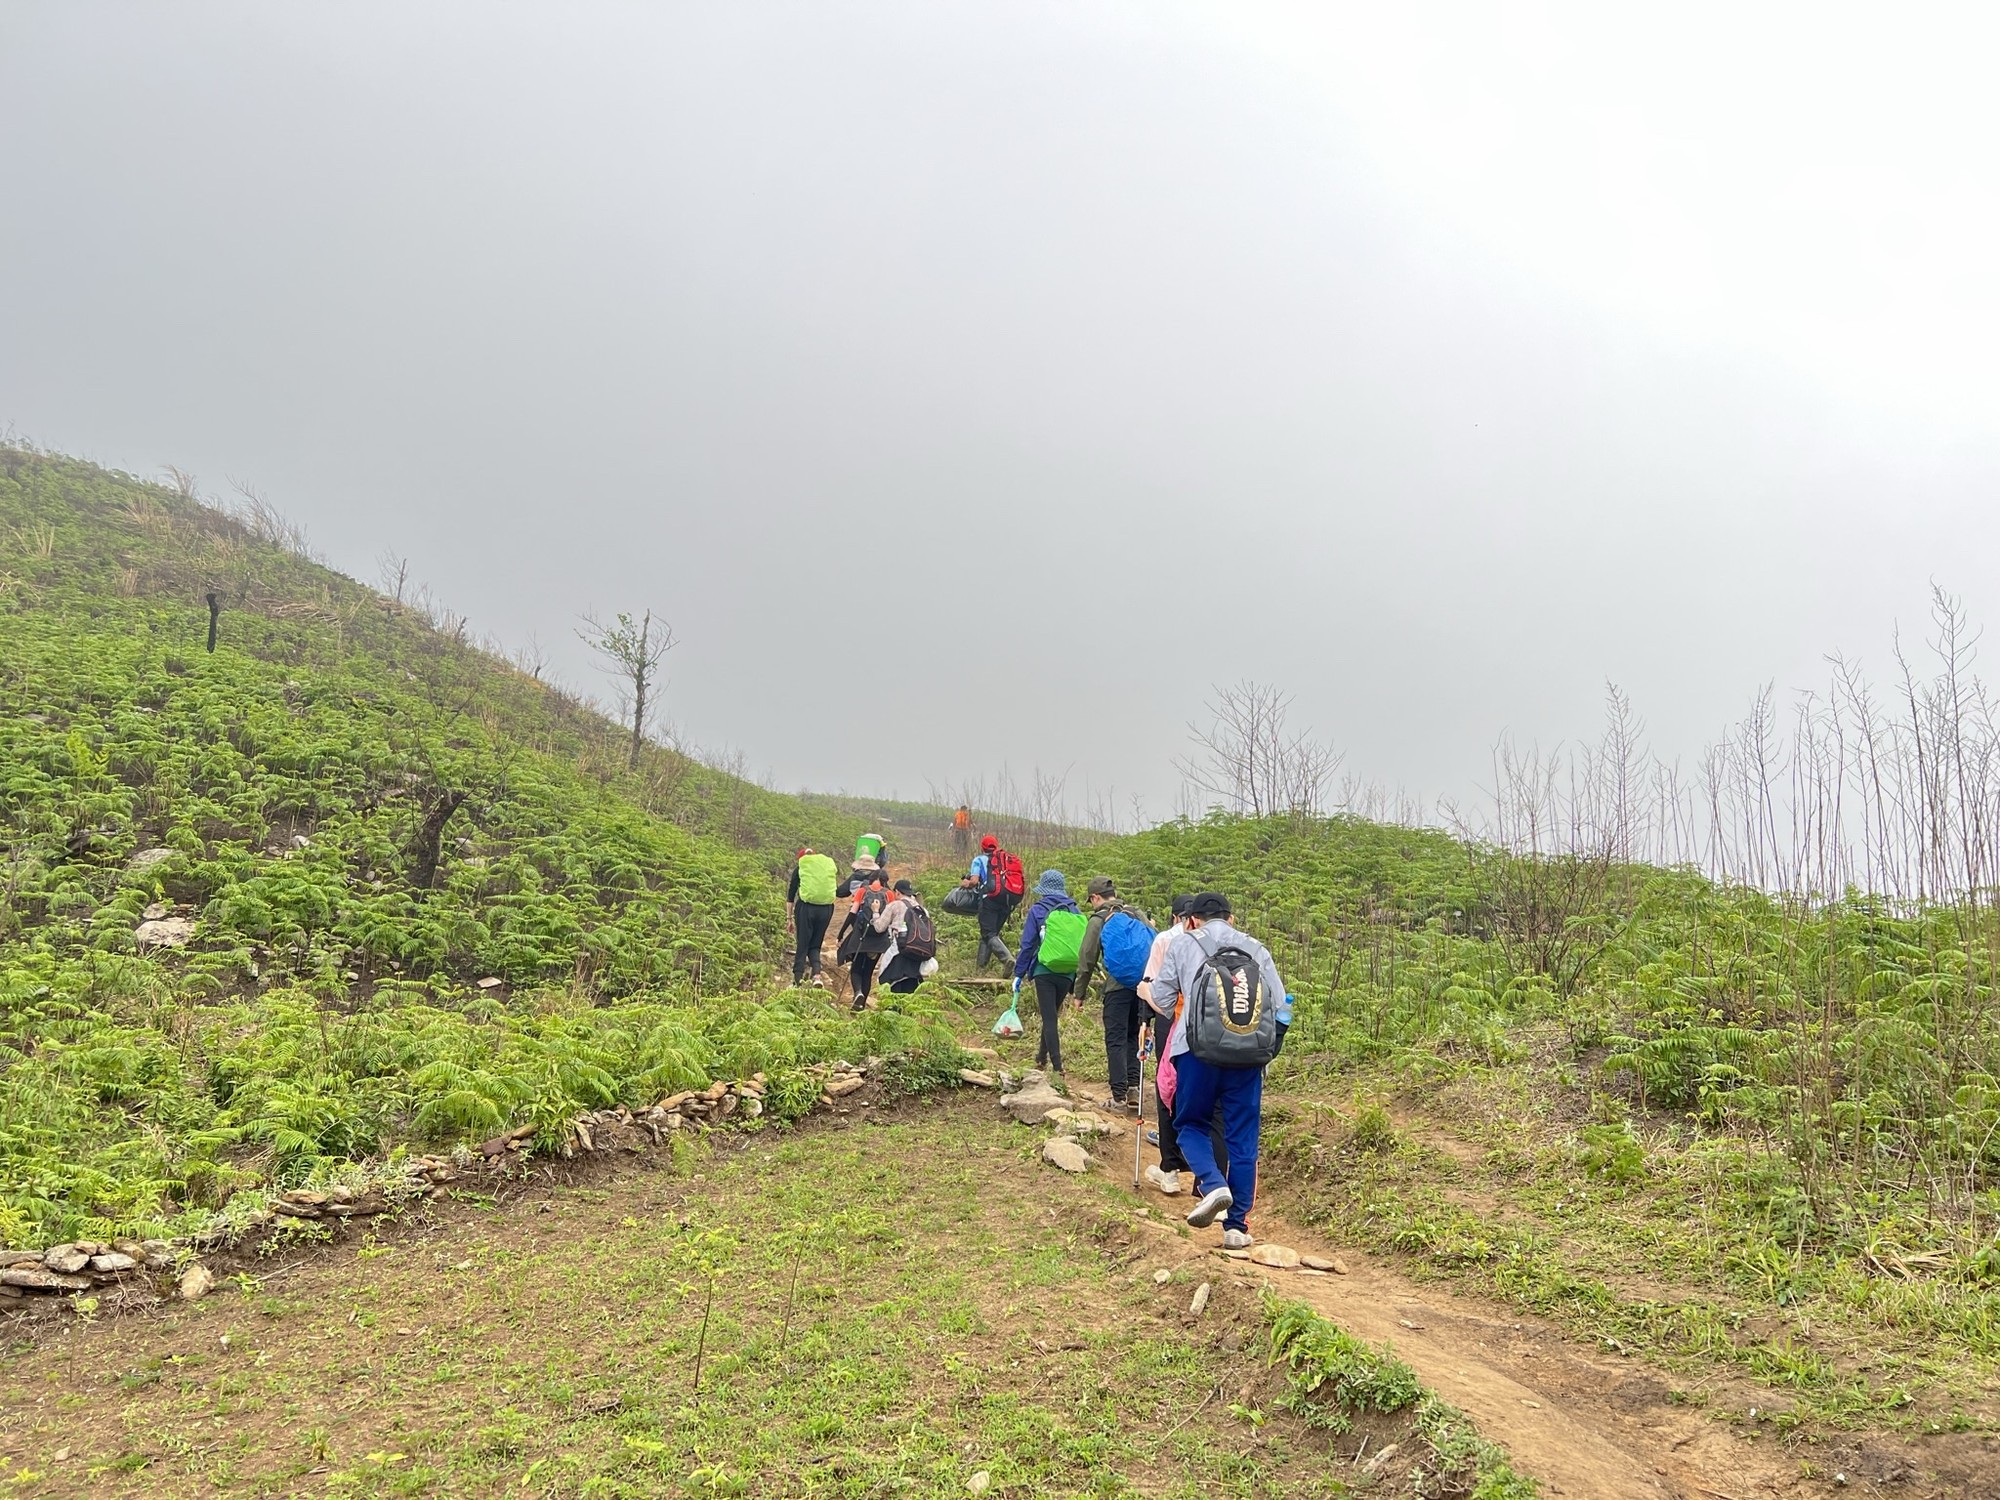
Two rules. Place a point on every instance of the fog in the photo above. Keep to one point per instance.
(972, 386)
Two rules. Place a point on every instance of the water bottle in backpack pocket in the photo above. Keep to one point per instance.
(1230, 1021)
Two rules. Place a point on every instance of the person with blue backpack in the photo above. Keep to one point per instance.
(1051, 939)
(1121, 939)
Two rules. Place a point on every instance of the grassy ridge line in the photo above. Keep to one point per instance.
(1333, 1376)
(93, 546)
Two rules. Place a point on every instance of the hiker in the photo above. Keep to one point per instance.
(1051, 937)
(1166, 1173)
(1122, 939)
(961, 830)
(1233, 1011)
(809, 897)
(913, 951)
(862, 943)
(1001, 882)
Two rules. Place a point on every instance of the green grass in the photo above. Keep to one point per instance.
(888, 1309)
(329, 1004)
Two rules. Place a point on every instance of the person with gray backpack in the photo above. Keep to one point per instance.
(1232, 1014)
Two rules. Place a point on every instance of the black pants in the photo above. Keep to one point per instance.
(1124, 1012)
(902, 974)
(1171, 1159)
(862, 972)
(993, 914)
(1050, 992)
(811, 922)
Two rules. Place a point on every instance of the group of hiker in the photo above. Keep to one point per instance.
(887, 937)
(1199, 996)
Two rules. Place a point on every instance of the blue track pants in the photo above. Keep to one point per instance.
(1234, 1099)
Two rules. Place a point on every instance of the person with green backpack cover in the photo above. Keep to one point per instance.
(1051, 939)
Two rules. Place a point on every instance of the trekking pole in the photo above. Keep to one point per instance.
(1139, 1125)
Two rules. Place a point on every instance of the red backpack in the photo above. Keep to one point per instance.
(1008, 876)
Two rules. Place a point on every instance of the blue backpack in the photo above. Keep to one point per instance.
(1128, 943)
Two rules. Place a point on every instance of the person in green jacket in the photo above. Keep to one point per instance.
(809, 911)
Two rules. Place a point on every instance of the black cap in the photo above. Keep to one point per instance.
(1100, 885)
(1209, 904)
(1181, 905)
(904, 887)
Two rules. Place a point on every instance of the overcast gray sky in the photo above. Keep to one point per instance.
(974, 383)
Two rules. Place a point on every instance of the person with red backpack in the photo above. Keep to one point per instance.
(1001, 882)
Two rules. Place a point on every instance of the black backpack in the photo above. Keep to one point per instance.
(1231, 1022)
(919, 938)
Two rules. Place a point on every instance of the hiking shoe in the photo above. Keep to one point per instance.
(819, 981)
(1236, 1239)
(1168, 1183)
(1152, 1137)
(1212, 1207)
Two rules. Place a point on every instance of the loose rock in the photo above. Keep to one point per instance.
(1382, 1456)
(1162, 1276)
(1200, 1303)
(1066, 1154)
(1032, 1104)
(197, 1281)
(978, 1079)
(41, 1279)
(146, 859)
(113, 1263)
(66, 1259)
(837, 1088)
(164, 932)
(1283, 1257)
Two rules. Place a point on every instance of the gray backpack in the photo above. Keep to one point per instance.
(1231, 1022)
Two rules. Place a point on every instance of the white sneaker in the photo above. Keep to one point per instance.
(1167, 1182)
(1212, 1207)
(1236, 1239)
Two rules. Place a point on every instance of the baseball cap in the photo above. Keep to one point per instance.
(1209, 904)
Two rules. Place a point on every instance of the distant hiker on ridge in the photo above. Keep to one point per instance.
(1051, 937)
(809, 897)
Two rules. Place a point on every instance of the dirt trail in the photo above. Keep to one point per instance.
(1582, 1423)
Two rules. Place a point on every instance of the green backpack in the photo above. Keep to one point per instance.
(817, 879)
(1062, 941)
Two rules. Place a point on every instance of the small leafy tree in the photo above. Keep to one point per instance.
(631, 653)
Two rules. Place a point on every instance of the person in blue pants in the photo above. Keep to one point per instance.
(1206, 1094)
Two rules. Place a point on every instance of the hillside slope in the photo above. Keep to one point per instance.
(248, 899)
